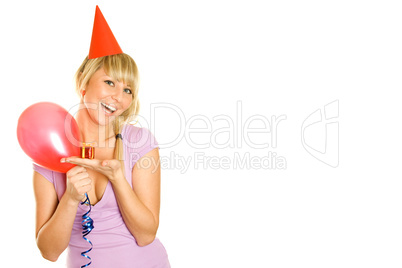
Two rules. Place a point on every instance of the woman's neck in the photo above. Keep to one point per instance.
(99, 136)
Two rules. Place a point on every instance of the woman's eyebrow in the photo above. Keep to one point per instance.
(127, 85)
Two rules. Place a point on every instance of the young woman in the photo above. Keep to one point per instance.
(124, 194)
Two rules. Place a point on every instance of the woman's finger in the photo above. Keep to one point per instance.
(80, 176)
(85, 182)
(75, 170)
(113, 164)
(91, 163)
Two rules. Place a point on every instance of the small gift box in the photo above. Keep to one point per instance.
(87, 151)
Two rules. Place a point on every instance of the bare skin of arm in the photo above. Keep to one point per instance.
(54, 219)
(140, 205)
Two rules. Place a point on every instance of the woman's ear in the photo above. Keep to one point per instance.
(82, 93)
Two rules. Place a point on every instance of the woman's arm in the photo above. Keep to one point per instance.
(140, 205)
(54, 220)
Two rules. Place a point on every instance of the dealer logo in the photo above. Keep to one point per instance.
(320, 134)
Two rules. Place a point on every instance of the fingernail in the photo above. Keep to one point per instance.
(63, 160)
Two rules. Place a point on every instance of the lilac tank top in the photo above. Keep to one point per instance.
(113, 244)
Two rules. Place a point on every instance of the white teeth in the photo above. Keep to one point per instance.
(112, 109)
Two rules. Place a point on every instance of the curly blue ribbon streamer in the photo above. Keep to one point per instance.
(87, 226)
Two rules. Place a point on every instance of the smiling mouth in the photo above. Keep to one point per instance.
(107, 108)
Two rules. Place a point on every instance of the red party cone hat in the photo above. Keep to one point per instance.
(103, 42)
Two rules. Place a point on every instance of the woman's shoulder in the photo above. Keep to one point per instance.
(130, 132)
(47, 173)
(50, 175)
(138, 142)
(138, 136)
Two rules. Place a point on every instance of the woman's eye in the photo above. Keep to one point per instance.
(128, 91)
(110, 83)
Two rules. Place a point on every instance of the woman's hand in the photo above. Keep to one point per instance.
(112, 169)
(78, 183)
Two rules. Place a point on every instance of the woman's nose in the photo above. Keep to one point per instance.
(118, 94)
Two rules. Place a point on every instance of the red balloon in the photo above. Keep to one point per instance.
(47, 132)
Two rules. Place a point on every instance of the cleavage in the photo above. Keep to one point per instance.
(99, 184)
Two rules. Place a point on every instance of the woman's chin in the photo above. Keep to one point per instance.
(105, 121)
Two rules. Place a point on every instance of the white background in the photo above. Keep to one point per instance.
(276, 57)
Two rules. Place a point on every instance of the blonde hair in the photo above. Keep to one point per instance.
(122, 68)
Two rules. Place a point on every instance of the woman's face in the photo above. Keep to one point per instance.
(106, 98)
